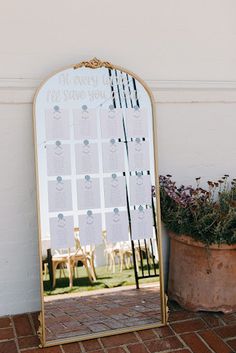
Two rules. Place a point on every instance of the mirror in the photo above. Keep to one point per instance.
(98, 204)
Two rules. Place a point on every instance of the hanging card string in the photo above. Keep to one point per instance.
(113, 146)
(56, 112)
(87, 182)
(86, 147)
(85, 112)
(59, 184)
(58, 148)
(114, 180)
(61, 222)
(116, 215)
(89, 217)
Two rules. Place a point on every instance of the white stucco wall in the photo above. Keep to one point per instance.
(185, 50)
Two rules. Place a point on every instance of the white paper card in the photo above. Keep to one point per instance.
(142, 223)
(138, 155)
(90, 229)
(111, 123)
(137, 122)
(58, 159)
(113, 157)
(86, 155)
(57, 124)
(88, 193)
(59, 195)
(115, 191)
(62, 232)
(85, 123)
(140, 189)
(117, 226)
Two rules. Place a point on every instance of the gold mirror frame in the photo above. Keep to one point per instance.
(94, 64)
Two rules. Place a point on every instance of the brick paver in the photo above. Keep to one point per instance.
(215, 342)
(94, 313)
(187, 333)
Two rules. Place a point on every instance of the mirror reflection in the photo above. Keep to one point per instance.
(97, 207)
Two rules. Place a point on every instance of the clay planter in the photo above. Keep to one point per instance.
(202, 278)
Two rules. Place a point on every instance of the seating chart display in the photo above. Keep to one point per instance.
(96, 172)
(98, 148)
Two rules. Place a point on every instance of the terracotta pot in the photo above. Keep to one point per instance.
(202, 278)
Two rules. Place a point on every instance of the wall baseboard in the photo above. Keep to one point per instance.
(22, 90)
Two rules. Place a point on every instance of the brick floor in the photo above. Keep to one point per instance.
(187, 333)
(99, 312)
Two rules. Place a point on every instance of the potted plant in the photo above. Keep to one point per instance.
(201, 224)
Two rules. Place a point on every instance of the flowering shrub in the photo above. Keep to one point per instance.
(205, 215)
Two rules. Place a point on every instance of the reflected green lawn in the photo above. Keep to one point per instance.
(105, 279)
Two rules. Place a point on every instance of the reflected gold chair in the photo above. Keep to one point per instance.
(69, 259)
(120, 250)
(88, 253)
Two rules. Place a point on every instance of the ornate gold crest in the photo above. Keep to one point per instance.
(94, 64)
